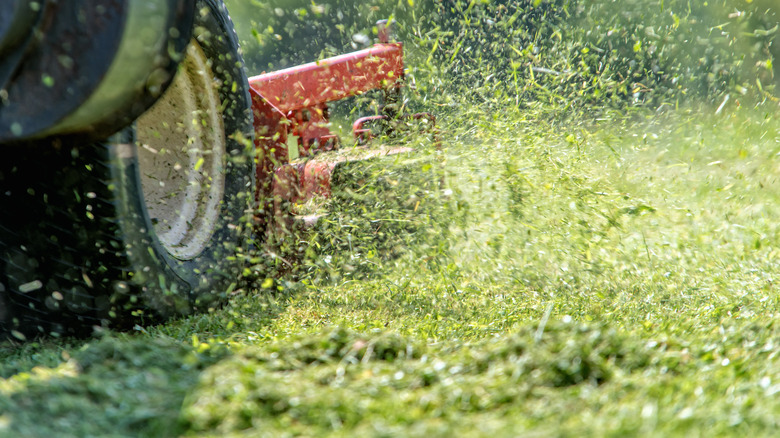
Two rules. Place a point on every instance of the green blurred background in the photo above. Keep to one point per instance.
(604, 52)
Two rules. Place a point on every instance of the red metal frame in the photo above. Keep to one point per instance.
(292, 103)
(299, 95)
(291, 119)
(332, 79)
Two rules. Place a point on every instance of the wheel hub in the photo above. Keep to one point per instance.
(181, 151)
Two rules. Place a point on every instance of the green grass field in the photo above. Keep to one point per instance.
(609, 275)
(602, 259)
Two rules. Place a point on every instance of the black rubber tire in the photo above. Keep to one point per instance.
(105, 62)
(77, 246)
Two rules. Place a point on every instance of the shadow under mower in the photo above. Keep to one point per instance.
(139, 160)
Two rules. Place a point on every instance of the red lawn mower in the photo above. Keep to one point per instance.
(137, 155)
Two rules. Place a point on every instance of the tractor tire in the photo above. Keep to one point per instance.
(143, 226)
(86, 67)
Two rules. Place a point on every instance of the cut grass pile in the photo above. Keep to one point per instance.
(612, 275)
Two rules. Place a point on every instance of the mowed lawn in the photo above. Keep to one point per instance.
(586, 275)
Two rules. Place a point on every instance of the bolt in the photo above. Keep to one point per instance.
(384, 30)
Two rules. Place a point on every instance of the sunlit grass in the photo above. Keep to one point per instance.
(602, 277)
(595, 263)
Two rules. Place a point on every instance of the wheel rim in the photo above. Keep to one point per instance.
(181, 153)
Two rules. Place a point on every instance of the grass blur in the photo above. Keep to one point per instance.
(591, 270)
(609, 278)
